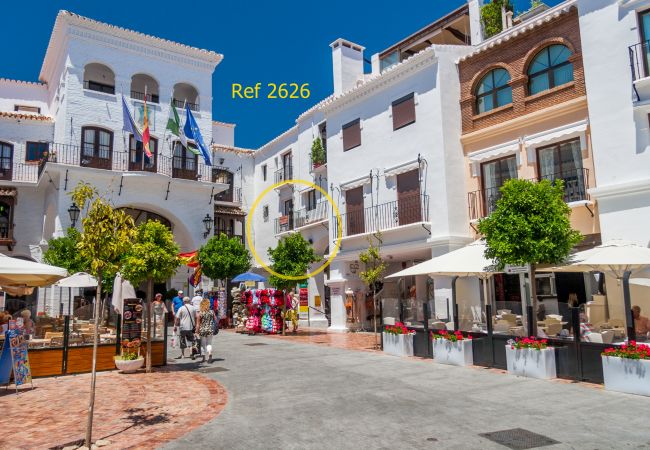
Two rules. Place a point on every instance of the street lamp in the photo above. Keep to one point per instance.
(74, 211)
(207, 223)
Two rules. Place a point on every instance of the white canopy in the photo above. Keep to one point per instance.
(121, 289)
(468, 261)
(15, 272)
(78, 280)
(615, 257)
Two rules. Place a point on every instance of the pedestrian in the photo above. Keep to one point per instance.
(206, 324)
(159, 311)
(186, 320)
(177, 301)
(197, 299)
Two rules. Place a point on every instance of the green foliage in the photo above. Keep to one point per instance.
(374, 264)
(107, 233)
(223, 257)
(62, 252)
(292, 257)
(491, 17)
(535, 3)
(153, 254)
(318, 155)
(530, 225)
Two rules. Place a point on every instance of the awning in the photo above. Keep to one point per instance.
(556, 134)
(229, 211)
(357, 182)
(402, 168)
(495, 151)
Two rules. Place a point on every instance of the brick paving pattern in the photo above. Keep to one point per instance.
(350, 341)
(131, 410)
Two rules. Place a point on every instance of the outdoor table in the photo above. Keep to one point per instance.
(39, 342)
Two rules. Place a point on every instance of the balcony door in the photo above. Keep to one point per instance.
(644, 21)
(138, 160)
(408, 197)
(286, 167)
(354, 211)
(184, 163)
(6, 160)
(563, 161)
(288, 211)
(96, 148)
(493, 175)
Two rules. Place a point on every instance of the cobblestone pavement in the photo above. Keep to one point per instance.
(285, 394)
(131, 410)
(350, 341)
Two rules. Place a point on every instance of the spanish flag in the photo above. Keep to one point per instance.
(145, 129)
(189, 259)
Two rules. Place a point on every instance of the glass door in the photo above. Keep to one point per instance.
(644, 22)
(494, 174)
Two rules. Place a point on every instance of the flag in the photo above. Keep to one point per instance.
(192, 131)
(189, 259)
(129, 125)
(195, 278)
(174, 125)
(145, 129)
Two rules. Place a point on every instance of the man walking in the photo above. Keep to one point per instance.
(177, 302)
(196, 300)
(186, 320)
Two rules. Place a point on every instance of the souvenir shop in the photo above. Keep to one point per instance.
(260, 311)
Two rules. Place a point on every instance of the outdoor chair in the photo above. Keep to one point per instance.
(502, 326)
(553, 328)
(510, 318)
(557, 317)
(596, 338)
(608, 336)
(437, 325)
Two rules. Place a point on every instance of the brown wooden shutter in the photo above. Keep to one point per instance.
(351, 135)
(403, 111)
(409, 205)
(354, 211)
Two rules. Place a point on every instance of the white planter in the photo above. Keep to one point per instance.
(627, 375)
(532, 363)
(398, 344)
(129, 366)
(457, 353)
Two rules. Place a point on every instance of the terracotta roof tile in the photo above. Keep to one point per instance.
(26, 116)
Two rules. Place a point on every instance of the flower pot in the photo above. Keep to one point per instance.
(398, 344)
(457, 353)
(631, 376)
(532, 363)
(129, 366)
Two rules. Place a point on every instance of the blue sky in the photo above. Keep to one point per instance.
(267, 42)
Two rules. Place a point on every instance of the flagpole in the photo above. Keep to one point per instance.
(144, 112)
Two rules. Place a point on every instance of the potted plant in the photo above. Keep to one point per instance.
(627, 368)
(530, 357)
(129, 359)
(398, 340)
(452, 348)
(318, 155)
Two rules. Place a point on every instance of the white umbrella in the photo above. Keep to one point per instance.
(122, 289)
(614, 257)
(78, 280)
(640, 281)
(15, 272)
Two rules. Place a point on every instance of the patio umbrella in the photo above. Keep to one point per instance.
(122, 289)
(78, 280)
(619, 258)
(248, 276)
(15, 272)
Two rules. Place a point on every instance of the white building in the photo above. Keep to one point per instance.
(68, 128)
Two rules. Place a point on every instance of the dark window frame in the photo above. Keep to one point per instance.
(355, 122)
(6, 163)
(548, 71)
(40, 154)
(264, 172)
(265, 213)
(493, 92)
(96, 140)
(556, 149)
(18, 108)
(409, 97)
(183, 157)
(311, 200)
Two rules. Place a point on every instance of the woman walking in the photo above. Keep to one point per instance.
(206, 322)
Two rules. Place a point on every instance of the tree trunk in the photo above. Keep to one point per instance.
(148, 321)
(533, 298)
(93, 377)
(374, 314)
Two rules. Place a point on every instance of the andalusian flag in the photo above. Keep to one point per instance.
(145, 129)
(189, 259)
(174, 125)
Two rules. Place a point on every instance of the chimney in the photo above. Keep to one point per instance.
(475, 25)
(509, 15)
(347, 65)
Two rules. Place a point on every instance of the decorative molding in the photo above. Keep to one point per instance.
(621, 189)
(24, 83)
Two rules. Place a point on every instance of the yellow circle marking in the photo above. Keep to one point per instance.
(339, 236)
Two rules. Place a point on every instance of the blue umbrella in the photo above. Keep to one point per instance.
(248, 276)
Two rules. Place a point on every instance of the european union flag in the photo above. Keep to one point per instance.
(192, 131)
(128, 124)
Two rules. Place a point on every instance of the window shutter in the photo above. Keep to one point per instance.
(351, 135)
(403, 111)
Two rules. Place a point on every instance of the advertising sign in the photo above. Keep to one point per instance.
(14, 357)
(222, 304)
(303, 296)
(132, 318)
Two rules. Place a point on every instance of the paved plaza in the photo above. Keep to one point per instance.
(297, 395)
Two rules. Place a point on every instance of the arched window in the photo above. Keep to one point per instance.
(96, 148)
(98, 77)
(141, 83)
(550, 68)
(185, 94)
(6, 160)
(493, 91)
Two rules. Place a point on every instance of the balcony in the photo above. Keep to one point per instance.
(99, 87)
(228, 232)
(405, 211)
(301, 218)
(639, 65)
(285, 173)
(151, 98)
(231, 195)
(576, 182)
(181, 104)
